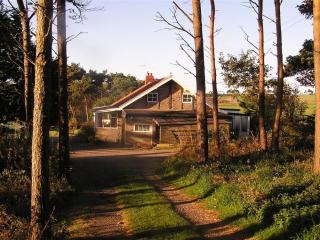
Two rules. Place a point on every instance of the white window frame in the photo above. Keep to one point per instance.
(110, 117)
(188, 95)
(152, 95)
(142, 124)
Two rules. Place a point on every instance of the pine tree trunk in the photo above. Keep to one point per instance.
(215, 109)
(23, 12)
(202, 130)
(86, 108)
(63, 90)
(316, 33)
(279, 97)
(262, 132)
(40, 172)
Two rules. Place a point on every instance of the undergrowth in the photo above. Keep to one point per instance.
(273, 196)
(15, 204)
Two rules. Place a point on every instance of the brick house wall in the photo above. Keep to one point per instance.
(110, 135)
(138, 138)
(169, 98)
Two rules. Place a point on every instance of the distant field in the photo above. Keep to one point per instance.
(227, 101)
(310, 100)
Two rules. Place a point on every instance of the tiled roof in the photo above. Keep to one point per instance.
(135, 93)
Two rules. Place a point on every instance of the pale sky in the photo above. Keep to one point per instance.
(124, 36)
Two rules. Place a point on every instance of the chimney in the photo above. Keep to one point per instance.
(149, 78)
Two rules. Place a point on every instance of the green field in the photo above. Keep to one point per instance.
(226, 101)
(310, 100)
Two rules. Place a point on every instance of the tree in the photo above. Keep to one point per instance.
(279, 95)
(75, 72)
(23, 12)
(306, 8)
(262, 131)
(115, 86)
(257, 7)
(82, 93)
(202, 130)
(39, 168)
(215, 110)
(11, 98)
(241, 74)
(301, 65)
(316, 33)
(63, 89)
(198, 61)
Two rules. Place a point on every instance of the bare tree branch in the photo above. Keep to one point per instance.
(186, 43)
(175, 25)
(184, 13)
(187, 71)
(186, 52)
(254, 6)
(72, 37)
(247, 39)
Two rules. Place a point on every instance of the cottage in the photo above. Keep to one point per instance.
(160, 111)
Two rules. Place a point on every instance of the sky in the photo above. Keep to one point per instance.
(123, 36)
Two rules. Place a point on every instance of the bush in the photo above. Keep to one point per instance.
(15, 151)
(73, 124)
(309, 234)
(12, 227)
(86, 133)
(15, 191)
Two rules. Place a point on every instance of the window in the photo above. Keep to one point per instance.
(152, 97)
(186, 98)
(109, 120)
(142, 128)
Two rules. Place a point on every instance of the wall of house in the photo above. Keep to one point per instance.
(169, 98)
(138, 138)
(171, 133)
(109, 135)
(174, 134)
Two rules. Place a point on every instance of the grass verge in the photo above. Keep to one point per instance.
(271, 198)
(148, 214)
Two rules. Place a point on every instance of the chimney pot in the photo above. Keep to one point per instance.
(149, 78)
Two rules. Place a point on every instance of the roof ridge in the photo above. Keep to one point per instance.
(144, 87)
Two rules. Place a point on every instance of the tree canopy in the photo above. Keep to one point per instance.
(306, 8)
(11, 100)
(302, 64)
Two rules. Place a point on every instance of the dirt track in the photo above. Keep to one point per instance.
(96, 215)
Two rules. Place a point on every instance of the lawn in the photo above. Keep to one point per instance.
(148, 214)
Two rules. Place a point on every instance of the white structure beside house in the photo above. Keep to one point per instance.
(240, 121)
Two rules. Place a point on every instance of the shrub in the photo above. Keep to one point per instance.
(15, 151)
(12, 227)
(15, 191)
(86, 133)
(73, 124)
(309, 234)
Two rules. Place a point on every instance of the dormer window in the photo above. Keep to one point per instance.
(152, 97)
(187, 98)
